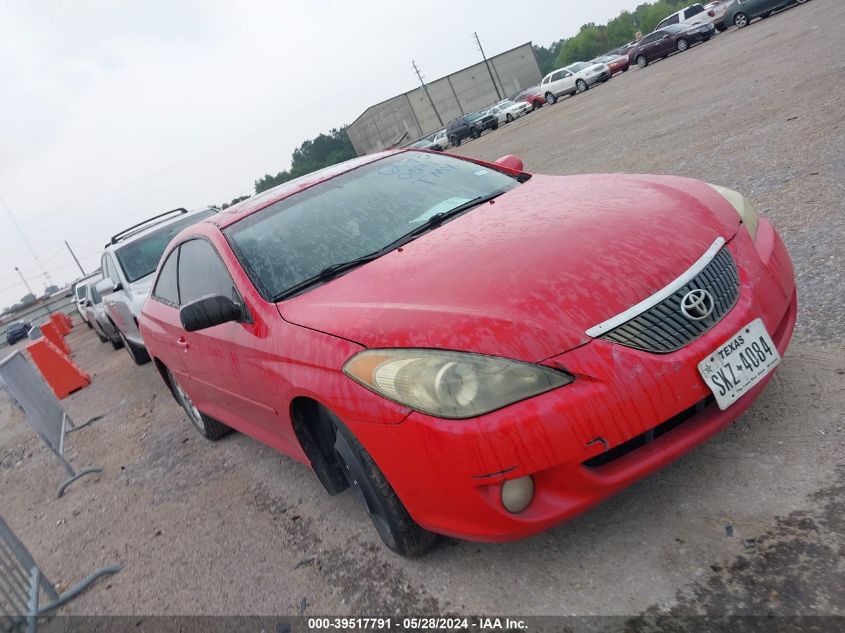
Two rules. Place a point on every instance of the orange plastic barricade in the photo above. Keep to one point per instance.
(63, 376)
(51, 332)
(60, 323)
(68, 321)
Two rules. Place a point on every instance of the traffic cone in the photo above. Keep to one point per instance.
(63, 376)
(59, 322)
(49, 330)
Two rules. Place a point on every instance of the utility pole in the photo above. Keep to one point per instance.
(425, 90)
(23, 279)
(487, 63)
(72, 254)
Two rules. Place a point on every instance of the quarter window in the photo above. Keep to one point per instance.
(202, 273)
(693, 10)
(167, 288)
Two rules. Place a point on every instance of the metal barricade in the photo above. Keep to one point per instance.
(21, 585)
(45, 414)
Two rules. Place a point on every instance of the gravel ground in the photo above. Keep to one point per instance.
(750, 523)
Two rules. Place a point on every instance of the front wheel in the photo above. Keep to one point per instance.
(475, 133)
(455, 141)
(740, 20)
(721, 27)
(581, 86)
(392, 522)
(642, 62)
(550, 98)
(682, 45)
(137, 353)
(208, 427)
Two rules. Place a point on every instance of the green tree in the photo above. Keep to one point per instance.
(547, 57)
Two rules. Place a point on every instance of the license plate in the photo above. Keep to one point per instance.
(739, 363)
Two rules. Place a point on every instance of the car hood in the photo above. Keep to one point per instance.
(525, 276)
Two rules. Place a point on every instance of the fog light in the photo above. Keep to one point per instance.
(517, 494)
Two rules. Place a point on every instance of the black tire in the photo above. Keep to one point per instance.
(475, 133)
(103, 339)
(741, 20)
(550, 98)
(116, 343)
(681, 45)
(721, 27)
(390, 518)
(88, 323)
(642, 61)
(534, 105)
(495, 126)
(581, 86)
(137, 353)
(208, 427)
(455, 141)
(509, 117)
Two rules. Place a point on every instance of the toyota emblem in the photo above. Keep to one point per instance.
(697, 305)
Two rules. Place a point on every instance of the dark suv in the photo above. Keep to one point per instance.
(17, 332)
(470, 126)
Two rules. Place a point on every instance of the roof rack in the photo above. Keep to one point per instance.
(116, 238)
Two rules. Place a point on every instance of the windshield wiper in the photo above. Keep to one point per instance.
(330, 272)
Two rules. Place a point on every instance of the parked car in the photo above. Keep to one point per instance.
(102, 325)
(693, 14)
(80, 289)
(17, 331)
(128, 265)
(674, 38)
(571, 79)
(717, 10)
(426, 142)
(741, 12)
(533, 95)
(615, 63)
(469, 126)
(441, 141)
(507, 110)
(461, 358)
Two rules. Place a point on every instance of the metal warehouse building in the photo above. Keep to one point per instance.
(411, 114)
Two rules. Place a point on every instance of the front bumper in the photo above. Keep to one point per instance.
(448, 473)
(600, 77)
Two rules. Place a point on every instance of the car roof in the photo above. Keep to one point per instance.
(150, 225)
(271, 196)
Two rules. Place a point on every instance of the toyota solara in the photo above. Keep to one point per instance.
(477, 351)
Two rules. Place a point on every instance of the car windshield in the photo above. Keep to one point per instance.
(355, 214)
(474, 116)
(139, 258)
(578, 67)
(504, 104)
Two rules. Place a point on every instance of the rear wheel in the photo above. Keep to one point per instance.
(454, 141)
(392, 522)
(642, 62)
(682, 45)
(208, 427)
(475, 133)
(740, 20)
(581, 86)
(550, 98)
(509, 117)
(721, 27)
(137, 353)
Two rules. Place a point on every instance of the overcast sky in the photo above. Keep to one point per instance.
(113, 111)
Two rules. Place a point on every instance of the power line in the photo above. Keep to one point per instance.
(23, 238)
(486, 63)
(425, 90)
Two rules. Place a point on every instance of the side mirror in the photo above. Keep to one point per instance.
(209, 311)
(511, 162)
(106, 286)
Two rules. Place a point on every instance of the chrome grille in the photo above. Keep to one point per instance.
(663, 328)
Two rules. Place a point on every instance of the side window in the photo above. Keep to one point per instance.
(202, 272)
(693, 10)
(547, 79)
(672, 19)
(166, 289)
(108, 265)
(556, 76)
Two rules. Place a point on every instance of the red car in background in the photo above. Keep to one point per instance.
(476, 351)
(616, 63)
(533, 95)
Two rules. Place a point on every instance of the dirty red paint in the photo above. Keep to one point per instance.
(522, 278)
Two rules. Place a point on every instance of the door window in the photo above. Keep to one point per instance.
(110, 270)
(202, 273)
(693, 10)
(557, 76)
(166, 289)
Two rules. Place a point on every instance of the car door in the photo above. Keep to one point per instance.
(163, 326)
(115, 301)
(225, 363)
(663, 45)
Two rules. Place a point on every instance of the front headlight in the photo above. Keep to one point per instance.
(449, 384)
(747, 212)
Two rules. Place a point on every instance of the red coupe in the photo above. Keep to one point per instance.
(477, 351)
